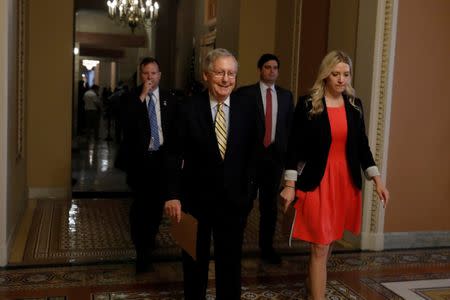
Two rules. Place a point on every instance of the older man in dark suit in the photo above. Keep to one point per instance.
(217, 140)
(148, 119)
(275, 106)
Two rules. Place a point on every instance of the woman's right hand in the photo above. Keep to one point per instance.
(287, 197)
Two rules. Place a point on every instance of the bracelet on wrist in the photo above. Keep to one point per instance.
(290, 186)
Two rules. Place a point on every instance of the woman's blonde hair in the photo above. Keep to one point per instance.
(317, 91)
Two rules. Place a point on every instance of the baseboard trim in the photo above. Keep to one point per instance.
(422, 239)
(48, 193)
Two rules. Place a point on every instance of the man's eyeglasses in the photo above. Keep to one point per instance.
(221, 74)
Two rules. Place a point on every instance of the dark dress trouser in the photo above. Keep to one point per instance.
(269, 176)
(147, 207)
(227, 234)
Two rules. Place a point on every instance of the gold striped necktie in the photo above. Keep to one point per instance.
(221, 129)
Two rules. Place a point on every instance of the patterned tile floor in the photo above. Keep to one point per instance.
(359, 275)
(91, 230)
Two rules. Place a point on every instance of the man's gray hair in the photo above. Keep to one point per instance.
(213, 55)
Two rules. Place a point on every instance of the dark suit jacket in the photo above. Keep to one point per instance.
(137, 131)
(284, 116)
(207, 186)
(310, 141)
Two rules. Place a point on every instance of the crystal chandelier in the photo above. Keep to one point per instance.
(133, 12)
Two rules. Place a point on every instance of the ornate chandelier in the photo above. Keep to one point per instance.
(134, 12)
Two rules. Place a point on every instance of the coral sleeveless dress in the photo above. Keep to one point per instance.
(323, 214)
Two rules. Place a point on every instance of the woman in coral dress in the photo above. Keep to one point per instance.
(327, 147)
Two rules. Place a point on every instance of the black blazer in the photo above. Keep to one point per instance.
(137, 131)
(206, 185)
(310, 141)
(284, 115)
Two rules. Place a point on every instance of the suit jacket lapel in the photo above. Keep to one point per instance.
(163, 108)
(144, 111)
(142, 105)
(142, 118)
(206, 122)
(349, 111)
(206, 118)
(231, 124)
(280, 113)
(326, 126)
(259, 101)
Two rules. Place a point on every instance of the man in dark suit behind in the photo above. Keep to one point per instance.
(217, 140)
(275, 106)
(148, 118)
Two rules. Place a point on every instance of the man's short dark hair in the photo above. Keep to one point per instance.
(265, 58)
(148, 60)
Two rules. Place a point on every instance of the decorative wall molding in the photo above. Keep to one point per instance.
(381, 104)
(3, 129)
(21, 73)
(380, 118)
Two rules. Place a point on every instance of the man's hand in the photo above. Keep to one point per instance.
(173, 209)
(146, 88)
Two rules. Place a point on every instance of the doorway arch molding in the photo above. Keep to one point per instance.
(372, 236)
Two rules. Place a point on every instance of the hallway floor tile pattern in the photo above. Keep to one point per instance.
(79, 231)
(358, 275)
(91, 230)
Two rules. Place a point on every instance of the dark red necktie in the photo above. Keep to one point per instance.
(268, 123)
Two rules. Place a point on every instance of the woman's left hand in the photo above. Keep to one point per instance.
(287, 196)
(382, 192)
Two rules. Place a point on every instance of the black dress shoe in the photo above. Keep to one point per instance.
(143, 262)
(144, 268)
(271, 257)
